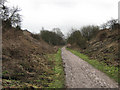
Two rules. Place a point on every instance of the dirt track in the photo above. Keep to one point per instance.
(80, 74)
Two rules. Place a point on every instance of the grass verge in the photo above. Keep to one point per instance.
(58, 76)
(111, 71)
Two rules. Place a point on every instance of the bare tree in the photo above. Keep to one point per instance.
(109, 24)
(10, 16)
(4, 11)
(103, 26)
(15, 17)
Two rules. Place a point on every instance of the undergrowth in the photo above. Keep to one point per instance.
(51, 77)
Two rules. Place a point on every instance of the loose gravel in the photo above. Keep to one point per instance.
(80, 74)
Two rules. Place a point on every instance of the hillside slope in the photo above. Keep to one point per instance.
(23, 59)
(104, 47)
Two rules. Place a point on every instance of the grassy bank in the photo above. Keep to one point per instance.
(58, 72)
(50, 76)
(111, 71)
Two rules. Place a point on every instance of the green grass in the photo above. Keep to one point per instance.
(111, 71)
(58, 76)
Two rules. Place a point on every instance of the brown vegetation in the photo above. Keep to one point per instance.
(105, 47)
(23, 58)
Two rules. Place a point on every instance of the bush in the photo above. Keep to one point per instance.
(77, 38)
(89, 32)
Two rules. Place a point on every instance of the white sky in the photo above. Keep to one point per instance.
(64, 14)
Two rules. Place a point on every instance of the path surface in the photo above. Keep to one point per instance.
(80, 74)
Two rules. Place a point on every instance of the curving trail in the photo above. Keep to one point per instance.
(80, 74)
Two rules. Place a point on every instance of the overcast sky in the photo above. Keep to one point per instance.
(64, 14)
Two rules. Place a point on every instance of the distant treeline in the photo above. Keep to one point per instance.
(80, 37)
(86, 33)
(11, 18)
(54, 37)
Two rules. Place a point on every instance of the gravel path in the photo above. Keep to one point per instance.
(80, 74)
